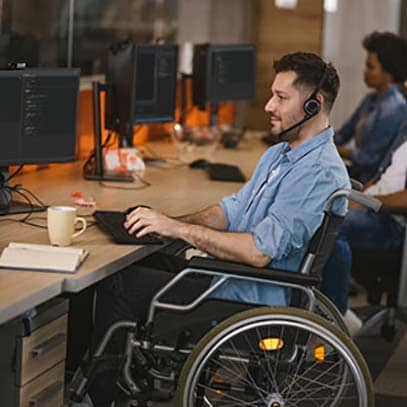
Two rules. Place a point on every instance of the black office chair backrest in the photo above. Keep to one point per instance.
(321, 244)
(318, 252)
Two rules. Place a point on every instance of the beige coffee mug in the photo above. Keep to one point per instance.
(61, 225)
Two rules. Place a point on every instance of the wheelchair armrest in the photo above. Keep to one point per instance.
(228, 267)
(365, 200)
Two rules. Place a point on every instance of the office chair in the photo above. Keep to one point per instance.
(215, 352)
(380, 272)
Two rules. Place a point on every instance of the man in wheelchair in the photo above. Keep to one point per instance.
(262, 358)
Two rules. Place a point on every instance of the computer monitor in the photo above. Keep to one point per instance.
(141, 87)
(38, 110)
(223, 73)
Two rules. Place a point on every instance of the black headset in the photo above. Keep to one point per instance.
(312, 105)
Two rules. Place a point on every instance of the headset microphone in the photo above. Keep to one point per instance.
(273, 139)
(294, 126)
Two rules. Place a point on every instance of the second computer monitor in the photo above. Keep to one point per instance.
(141, 82)
(223, 73)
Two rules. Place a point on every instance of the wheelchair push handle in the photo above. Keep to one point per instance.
(356, 196)
(365, 200)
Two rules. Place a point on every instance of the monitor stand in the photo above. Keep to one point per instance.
(109, 176)
(98, 173)
(213, 114)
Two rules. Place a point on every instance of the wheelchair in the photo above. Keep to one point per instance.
(214, 352)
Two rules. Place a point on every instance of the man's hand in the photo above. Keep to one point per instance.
(142, 221)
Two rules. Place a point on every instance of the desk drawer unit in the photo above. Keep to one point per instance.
(32, 357)
(47, 390)
(43, 349)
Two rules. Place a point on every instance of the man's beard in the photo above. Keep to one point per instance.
(283, 136)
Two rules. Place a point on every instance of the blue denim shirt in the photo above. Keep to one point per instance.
(384, 116)
(282, 206)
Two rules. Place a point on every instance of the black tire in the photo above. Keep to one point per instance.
(225, 366)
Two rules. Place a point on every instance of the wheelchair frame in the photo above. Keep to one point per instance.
(139, 342)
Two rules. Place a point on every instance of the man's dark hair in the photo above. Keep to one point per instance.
(391, 51)
(310, 69)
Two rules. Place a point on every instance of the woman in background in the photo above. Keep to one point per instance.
(376, 121)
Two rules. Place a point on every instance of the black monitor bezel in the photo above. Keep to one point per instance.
(214, 49)
(121, 110)
(157, 48)
(70, 72)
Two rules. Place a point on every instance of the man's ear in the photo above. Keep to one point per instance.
(321, 99)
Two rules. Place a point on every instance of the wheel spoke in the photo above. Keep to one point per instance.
(231, 399)
(270, 371)
(233, 375)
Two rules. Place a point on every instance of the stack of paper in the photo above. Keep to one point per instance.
(29, 256)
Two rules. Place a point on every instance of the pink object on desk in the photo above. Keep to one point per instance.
(80, 200)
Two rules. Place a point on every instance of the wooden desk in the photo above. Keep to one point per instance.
(173, 190)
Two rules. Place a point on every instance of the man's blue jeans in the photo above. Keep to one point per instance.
(361, 229)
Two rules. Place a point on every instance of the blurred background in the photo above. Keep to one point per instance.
(77, 33)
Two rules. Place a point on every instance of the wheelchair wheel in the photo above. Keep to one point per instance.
(326, 309)
(275, 357)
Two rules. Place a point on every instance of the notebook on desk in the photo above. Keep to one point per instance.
(39, 257)
(112, 223)
(225, 172)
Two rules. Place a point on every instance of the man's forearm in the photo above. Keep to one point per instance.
(238, 247)
(211, 217)
(224, 245)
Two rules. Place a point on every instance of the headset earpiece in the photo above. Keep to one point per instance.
(312, 105)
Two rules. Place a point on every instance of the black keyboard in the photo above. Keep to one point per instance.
(112, 222)
(225, 172)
